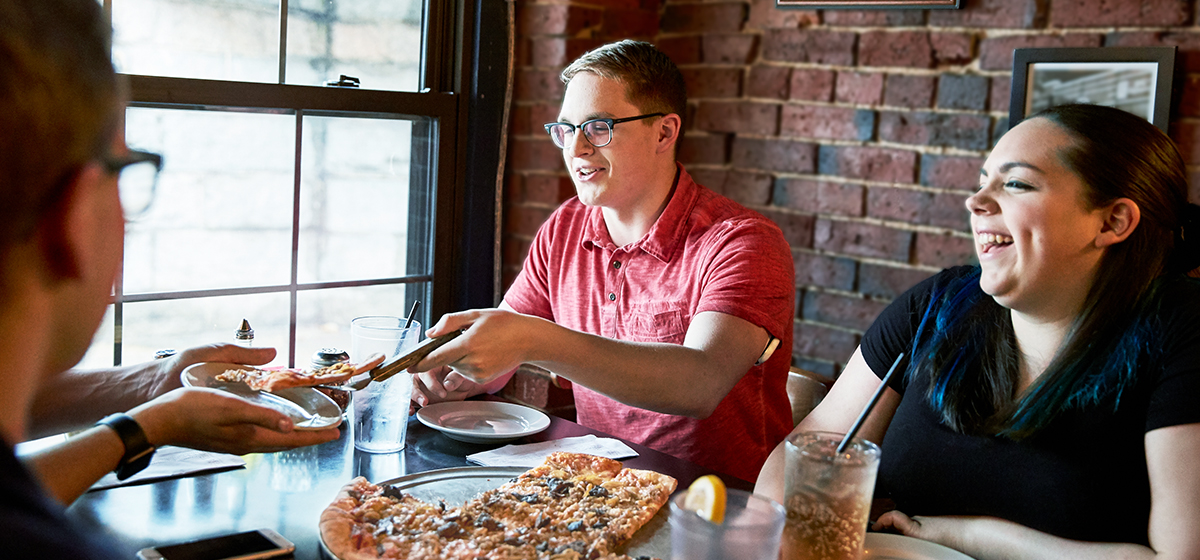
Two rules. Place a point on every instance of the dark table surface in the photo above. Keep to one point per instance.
(287, 491)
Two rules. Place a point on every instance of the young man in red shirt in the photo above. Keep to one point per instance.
(654, 296)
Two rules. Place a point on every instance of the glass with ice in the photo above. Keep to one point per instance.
(827, 496)
(750, 530)
(381, 408)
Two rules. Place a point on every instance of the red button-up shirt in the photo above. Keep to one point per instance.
(705, 253)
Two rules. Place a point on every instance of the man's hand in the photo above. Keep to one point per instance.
(76, 398)
(441, 385)
(165, 375)
(493, 345)
(212, 420)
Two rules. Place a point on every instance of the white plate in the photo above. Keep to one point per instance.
(886, 546)
(308, 407)
(483, 421)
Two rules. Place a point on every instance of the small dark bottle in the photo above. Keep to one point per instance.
(327, 357)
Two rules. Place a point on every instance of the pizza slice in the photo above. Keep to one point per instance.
(286, 378)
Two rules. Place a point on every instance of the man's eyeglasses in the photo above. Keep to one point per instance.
(597, 131)
(137, 181)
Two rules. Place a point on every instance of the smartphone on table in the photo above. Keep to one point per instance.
(250, 545)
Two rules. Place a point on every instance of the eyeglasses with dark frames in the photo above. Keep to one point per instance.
(137, 179)
(599, 132)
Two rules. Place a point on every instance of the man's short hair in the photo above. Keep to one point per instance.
(58, 104)
(652, 81)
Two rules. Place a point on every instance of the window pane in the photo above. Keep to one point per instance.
(323, 316)
(213, 39)
(377, 42)
(222, 215)
(357, 203)
(100, 353)
(154, 325)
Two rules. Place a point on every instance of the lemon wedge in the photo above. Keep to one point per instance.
(706, 497)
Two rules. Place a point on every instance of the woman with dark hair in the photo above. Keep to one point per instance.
(1051, 405)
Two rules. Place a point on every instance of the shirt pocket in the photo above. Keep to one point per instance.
(656, 322)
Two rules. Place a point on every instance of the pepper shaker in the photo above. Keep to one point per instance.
(327, 357)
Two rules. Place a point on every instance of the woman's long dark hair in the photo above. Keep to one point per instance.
(966, 341)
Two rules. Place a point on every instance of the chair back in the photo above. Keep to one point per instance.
(805, 390)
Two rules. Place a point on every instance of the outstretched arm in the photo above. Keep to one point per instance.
(78, 398)
(689, 379)
(198, 418)
(1171, 456)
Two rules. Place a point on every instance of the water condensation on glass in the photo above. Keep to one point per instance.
(354, 199)
(222, 215)
(376, 41)
(234, 40)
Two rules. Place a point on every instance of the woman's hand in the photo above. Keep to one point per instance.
(944, 530)
(991, 538)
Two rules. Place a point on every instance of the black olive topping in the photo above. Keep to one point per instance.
(393, 492)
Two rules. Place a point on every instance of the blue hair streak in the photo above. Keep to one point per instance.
(958, 333)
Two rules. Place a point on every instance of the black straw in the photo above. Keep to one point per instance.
(412, 313)
(862, 417)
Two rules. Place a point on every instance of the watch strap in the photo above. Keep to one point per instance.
(772, 344)
(138, 450)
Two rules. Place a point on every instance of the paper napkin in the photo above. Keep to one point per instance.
(174, 462)
(532, 454)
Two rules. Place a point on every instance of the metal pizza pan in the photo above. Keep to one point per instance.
(457, 485)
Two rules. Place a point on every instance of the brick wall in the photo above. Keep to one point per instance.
(860, 132)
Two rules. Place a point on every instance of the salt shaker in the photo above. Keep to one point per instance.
(244, 336)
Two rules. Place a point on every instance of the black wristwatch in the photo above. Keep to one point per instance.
(138, 450)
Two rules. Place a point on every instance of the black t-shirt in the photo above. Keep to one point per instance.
(33, 526)
(1082, 477)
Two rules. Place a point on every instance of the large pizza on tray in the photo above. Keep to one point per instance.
(572, 506)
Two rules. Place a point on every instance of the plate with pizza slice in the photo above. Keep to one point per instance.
(309, 408)
(572, 506)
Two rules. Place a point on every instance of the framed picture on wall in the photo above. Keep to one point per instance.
(1135, 79)
(869, 4)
